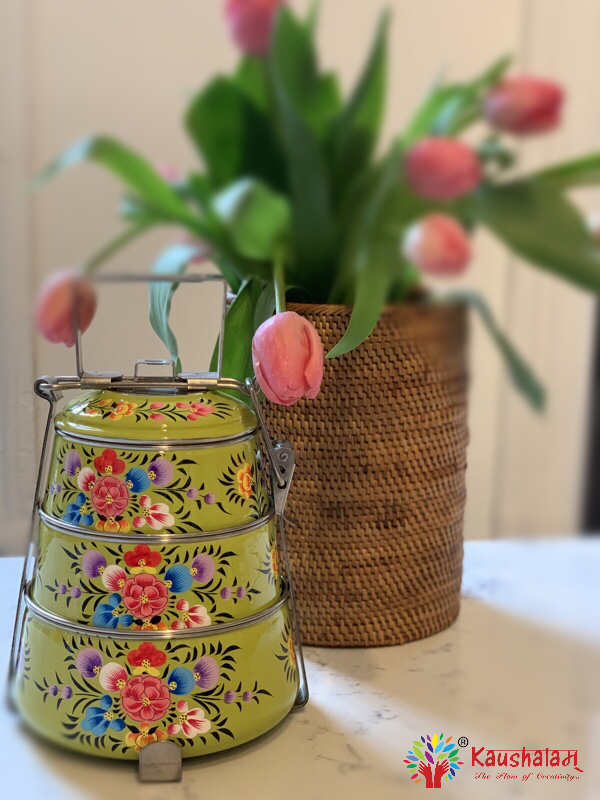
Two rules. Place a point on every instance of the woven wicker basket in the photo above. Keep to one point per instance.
(379, 490)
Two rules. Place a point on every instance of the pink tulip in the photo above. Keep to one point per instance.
(251, 24)
(524, 104)
(54, 311)
(288, 358)
(438, 245)
(442, 169)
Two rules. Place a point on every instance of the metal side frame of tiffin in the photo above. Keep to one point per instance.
(159, 760)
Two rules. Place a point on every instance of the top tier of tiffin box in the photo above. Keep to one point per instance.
(152, 607)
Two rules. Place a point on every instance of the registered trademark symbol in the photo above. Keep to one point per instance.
(463, 741)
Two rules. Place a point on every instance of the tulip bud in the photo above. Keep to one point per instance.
(442, 169)
(524, 104)
(438, 245)
(251, 23)
(54, 312)
(287, 353)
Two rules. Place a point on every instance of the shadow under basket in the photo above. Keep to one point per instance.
(377, 505)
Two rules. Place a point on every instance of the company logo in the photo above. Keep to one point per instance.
(432, 759)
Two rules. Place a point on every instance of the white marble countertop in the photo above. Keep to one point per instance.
(520, 667)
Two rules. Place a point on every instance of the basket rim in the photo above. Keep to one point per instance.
(333, 310)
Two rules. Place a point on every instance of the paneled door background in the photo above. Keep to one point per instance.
(70, 68)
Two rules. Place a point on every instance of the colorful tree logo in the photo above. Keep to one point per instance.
(433, 759)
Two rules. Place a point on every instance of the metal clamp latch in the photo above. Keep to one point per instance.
(284, 463)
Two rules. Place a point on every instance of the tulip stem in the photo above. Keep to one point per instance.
(279, 281)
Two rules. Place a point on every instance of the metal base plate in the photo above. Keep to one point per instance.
(160, 762)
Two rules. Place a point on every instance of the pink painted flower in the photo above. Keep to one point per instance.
(113, 677)
(287, 354)
(86, 479)
(438, 245)
(110, 496)
(145, 698)
(54, 312)
(145, 596)
(191, 721)
(442, 169)
(251, 23)
(155, 514)
(192, 617)
(155, 406)
(157, 417)
(114, 577)
(200, 410)
(524, 104)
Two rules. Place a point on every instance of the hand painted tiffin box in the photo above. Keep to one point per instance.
(151, 609)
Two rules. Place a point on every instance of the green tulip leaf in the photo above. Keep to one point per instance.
(240, 326)
(135, 173)
(111, 248)
(522, 376)
(449, 108)
(257, 219)
(173, 261)
(313, 219)
(377, 270)
(233, 136)
(536, 221)
(314, 96)
(583, 171)
(356, 132)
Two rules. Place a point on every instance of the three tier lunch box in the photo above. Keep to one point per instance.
(152, 605)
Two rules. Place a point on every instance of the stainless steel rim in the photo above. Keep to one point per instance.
(120, 633)
(167, 444)
(153, 538)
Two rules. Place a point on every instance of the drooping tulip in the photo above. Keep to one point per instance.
(55, 307)
(524, 104)
(438, 168)
(251, 23)
(438, 245)
(287, 354)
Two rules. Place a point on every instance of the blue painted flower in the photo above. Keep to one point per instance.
(178, 578)
(181, 681)
(77, 512)
(98, 719)
(137, 480)
(107, 615)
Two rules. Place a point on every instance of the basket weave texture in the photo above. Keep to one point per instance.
(377, 502)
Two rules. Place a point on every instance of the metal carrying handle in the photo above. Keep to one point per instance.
(195, 380)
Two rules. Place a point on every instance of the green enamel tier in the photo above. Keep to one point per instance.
(111, 696)
(99, 582)
(114, 415)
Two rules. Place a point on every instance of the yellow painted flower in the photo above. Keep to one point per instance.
(292, 651)
(274, 563)
(244, 479)
(143, 738)
(123, 410)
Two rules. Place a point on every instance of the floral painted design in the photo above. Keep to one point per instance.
(142, 588)
(145, 698)
(98, 719)
(127, 491)
(189, 720)
(242, 486)
(124, 697)
(287, 654)
(143, 737)
(174, 411)
(145, 596)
